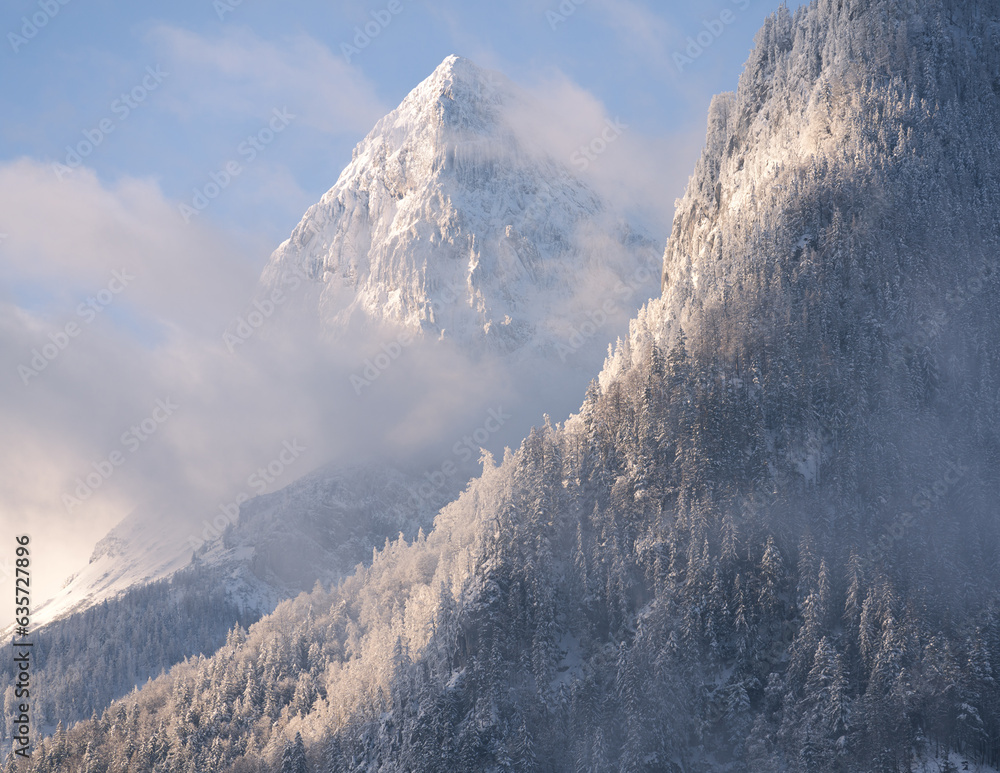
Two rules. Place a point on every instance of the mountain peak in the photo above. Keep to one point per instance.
(457, 72)
(459, 67)
(449, 222)
(460, 95)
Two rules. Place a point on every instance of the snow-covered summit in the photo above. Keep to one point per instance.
(450, 221)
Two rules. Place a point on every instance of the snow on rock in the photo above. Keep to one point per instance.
(450, 223)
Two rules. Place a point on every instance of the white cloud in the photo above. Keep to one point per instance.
(67, 236)
(638, 173)
(174, 289)
(641, 31)
(243, 75)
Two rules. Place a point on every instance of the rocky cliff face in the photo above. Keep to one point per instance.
(450, 223)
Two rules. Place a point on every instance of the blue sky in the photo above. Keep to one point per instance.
(114, 114)
(225, 75)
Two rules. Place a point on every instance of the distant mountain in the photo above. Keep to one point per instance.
(273, 547)
(450, 222)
